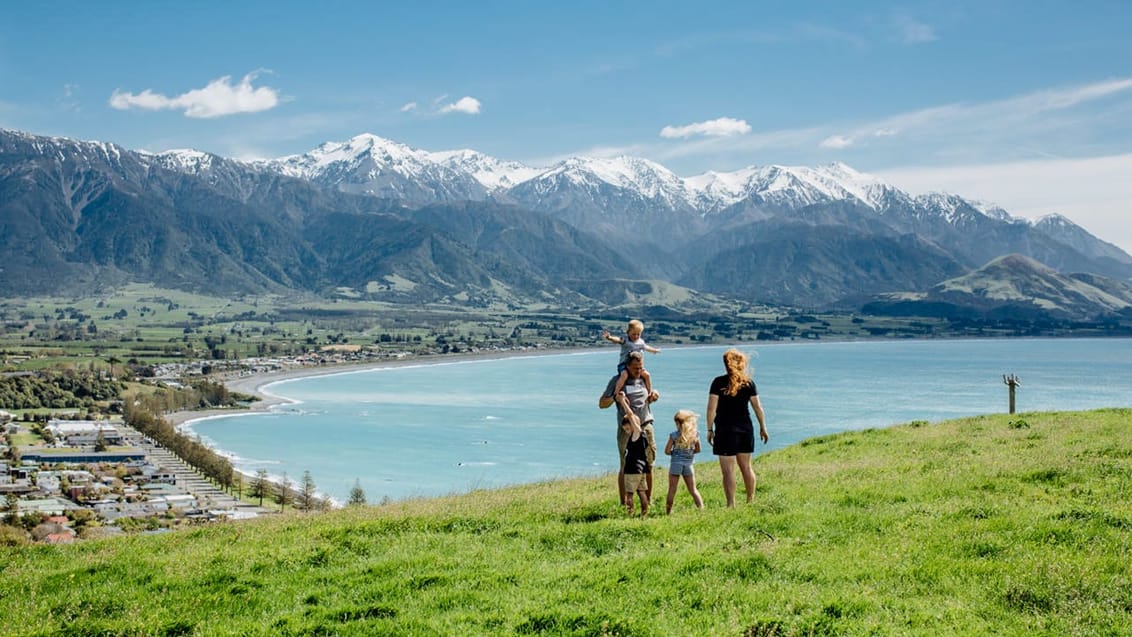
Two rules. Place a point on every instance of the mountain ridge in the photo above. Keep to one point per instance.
(467, 225)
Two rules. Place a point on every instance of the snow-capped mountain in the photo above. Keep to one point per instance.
(493, 174)
(1073, 235)
(647, 178)
(371, 165)
(808, 236)
(952, 209)
(612, 196)
(788, 187)
(184, 160)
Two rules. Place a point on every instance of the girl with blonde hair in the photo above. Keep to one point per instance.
(730, 429)
(683, 445)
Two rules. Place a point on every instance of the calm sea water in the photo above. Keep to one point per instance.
(456, 426)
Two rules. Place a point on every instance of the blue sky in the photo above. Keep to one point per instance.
(1024, 103)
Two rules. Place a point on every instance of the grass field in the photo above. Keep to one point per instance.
(994, 525)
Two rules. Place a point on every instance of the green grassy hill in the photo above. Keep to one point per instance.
(1004, 525)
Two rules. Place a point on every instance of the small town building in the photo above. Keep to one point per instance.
(46, 506)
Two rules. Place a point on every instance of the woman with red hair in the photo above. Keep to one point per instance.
(731, 432)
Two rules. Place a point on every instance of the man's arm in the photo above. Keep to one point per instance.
(606, 399)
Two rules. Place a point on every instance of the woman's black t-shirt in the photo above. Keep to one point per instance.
(731, 412)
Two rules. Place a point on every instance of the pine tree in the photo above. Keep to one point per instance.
(260, 486)
(283, 492)
(308, 494)
(12, 516)
(357, 495)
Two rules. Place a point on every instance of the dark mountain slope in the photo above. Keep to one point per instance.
(1014, 287)
(819, 266)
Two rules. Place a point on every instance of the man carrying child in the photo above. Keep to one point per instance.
(634, 398)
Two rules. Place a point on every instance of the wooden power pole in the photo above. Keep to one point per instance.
(1011, 381)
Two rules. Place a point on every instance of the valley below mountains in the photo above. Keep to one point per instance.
(373, 219)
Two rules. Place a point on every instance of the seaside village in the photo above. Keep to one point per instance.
(93, 478)
(71, 479)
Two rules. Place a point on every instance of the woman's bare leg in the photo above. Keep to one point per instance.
(727, 468)
(744, 461)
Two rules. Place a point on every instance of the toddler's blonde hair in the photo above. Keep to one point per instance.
(686, 425)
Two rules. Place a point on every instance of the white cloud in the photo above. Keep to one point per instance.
(836, 142)
(219, 98)
(411, 106)
(1007, 115)
(1069, 119)
(469, 105)
(1033, 154)
(1064, 121)
(722, 127)
(912, 31)
(70, 99)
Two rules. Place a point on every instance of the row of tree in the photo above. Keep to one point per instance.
(303, 498)
(142, 417)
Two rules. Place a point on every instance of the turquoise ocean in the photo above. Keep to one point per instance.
(465, 424)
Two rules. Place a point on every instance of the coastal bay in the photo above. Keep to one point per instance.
(452, 424)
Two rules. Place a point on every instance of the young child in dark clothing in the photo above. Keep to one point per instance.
(637, 467)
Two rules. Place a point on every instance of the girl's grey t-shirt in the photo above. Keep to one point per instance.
(629, 346)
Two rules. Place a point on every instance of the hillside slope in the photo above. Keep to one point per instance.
(1015, 287)
(871, 532)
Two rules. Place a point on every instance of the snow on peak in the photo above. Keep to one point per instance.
(950, 207)
(367, 147)
(788, 184)
(839, 181)
(1054, 220)
(494, 174)
(954, 208)
(186, 160)
(647, 177)
(730, 185)
(992, 210)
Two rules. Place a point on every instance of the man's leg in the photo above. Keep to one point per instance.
(650, 455)
(622, 443)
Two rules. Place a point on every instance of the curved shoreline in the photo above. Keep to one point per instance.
(253, 384)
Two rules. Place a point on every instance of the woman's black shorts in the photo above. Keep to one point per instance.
(731, 442)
